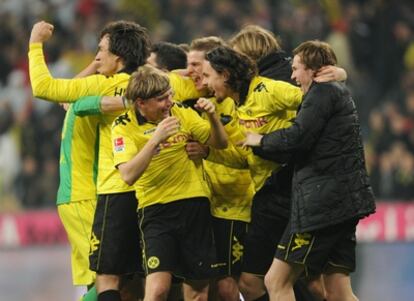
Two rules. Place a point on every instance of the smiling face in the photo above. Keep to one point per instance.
(301, 74)
(216, 82)
(195, 59)
(108, 63)
(156, 108)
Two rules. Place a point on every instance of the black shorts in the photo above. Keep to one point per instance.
(229, 238)
(115, 242)
(177, 237)
(265, 230)
(330, 249)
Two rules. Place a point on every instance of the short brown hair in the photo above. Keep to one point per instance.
(147, 82)
(315, 54)
(206, 44)
(129, 41)
(255, 42)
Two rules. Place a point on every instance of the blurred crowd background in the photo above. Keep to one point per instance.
(373, 39)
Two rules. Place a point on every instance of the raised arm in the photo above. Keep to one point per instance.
(54, 89)
(41, 32)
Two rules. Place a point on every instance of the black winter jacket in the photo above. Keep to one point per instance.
(276, 65)
(330, 182)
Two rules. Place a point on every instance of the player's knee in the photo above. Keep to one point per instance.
(157, 291)
(228, 289)
(270, 285)
(196, 290)
(339, 297)
(199, 296)
(271, 282)
(317, 289)
(333, 295)
(249, 287)
(244, 286)
(105, 282)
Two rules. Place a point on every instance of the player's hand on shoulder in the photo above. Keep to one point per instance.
(330, 73)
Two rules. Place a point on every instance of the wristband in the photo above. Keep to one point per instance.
(124, 101)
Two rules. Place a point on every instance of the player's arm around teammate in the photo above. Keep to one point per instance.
(324, 239)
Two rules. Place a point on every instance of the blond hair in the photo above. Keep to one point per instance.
(255, 42)
(206, 44)
(147, 82)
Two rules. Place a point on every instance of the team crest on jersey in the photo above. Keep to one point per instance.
(119, 145)
(153, 262)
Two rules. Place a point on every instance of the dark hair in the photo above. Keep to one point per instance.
(129, 41)
(241, 69)
(315, 54)
(169, 56)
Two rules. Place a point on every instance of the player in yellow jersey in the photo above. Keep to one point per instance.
(174, 217)
(231, 189)
(183, 87)
(122, 48)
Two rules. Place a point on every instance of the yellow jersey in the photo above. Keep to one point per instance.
(78, 173)
(232, 189)
(269, 105)
(171, 175)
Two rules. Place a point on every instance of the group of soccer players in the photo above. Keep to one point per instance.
(154, 180)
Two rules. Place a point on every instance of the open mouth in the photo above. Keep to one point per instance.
(166, 113)
(197, 80)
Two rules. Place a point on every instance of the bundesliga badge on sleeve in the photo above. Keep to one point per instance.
(119, 145)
